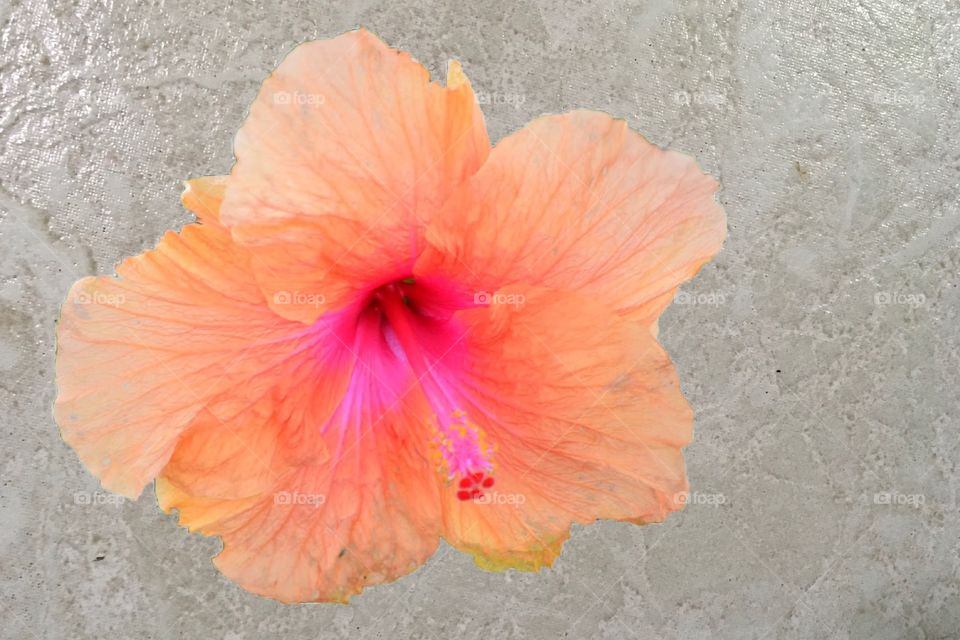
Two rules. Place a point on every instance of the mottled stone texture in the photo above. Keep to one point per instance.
(821, 350)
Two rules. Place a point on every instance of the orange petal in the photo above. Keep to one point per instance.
(367, 513)
(579, 201)
(585, 411)
(204, 195)
(347, 150)
(140, 355)
(245, 454)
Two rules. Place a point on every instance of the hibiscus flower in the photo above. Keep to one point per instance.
(382, 332)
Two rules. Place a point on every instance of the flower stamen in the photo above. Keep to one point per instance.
(458, 444)
(460, 451)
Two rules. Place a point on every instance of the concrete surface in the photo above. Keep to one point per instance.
(821, 350)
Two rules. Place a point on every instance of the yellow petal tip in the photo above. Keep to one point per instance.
(456, 78)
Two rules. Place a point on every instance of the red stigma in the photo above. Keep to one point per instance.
(472, 485)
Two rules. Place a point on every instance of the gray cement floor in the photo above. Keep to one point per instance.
(821, 350)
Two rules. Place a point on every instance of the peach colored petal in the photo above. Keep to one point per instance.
(366, 512)
(347, 150)
(141, 355)
(204, 195)
(585, 411)
(579, 201)
(243, 455)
